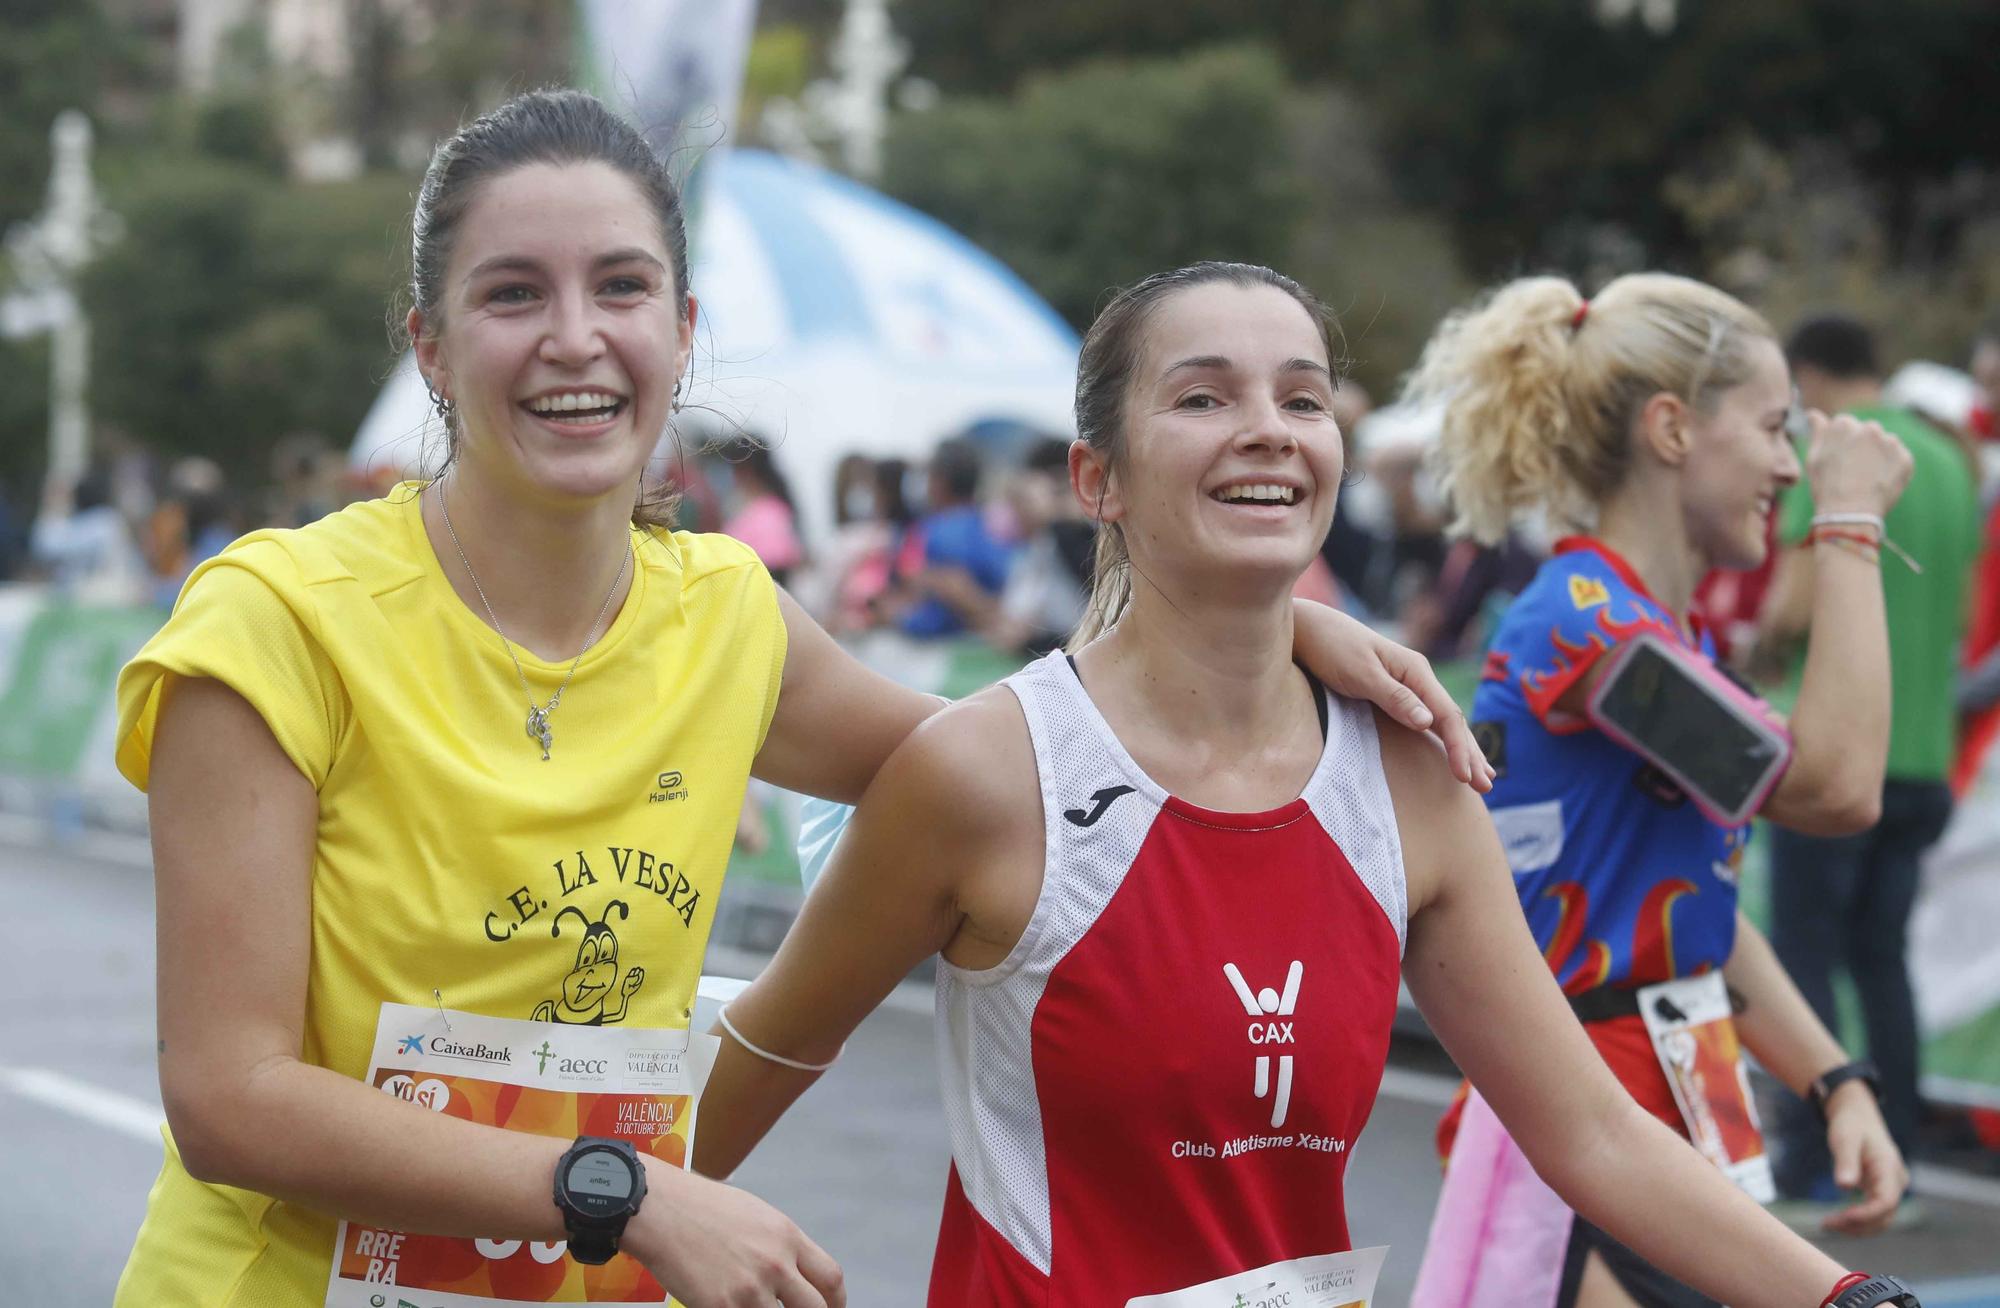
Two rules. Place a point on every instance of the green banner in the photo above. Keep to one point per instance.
(62, 680)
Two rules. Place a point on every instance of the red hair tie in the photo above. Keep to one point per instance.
(1582, 312)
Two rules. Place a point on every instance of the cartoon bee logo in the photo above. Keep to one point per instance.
(593, 985)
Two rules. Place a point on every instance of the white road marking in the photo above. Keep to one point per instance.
(121, 1113)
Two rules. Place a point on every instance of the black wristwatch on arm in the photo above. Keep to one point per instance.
(599, 1186)
(1875, 1291)
(1827, 1082)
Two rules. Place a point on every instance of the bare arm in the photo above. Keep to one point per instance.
(233, 829)
(1780, 1028)
(1840, 726)
(836, 721)
(1470, 958)
(895, 892)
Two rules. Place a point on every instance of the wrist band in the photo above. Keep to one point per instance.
(1861, 546)
(1823, 1085)
(1848, 520)
(1863, 520)
(1841, 1286)
(1837, 535)
(722, 1016)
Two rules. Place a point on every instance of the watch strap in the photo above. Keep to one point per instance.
(1874, 1291)
(1822, 1088)
(593, 1245)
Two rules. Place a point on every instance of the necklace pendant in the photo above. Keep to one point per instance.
(538, 730)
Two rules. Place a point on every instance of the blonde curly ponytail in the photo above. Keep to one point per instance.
(1539, 388)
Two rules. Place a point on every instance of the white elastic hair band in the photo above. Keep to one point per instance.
(1869, 520)
(722, 1016)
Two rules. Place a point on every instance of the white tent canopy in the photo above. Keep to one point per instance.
(833, 321)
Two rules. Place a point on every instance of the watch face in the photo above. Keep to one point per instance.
(599, 1182)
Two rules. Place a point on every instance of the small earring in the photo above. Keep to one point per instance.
(445, 408)
(676, 401)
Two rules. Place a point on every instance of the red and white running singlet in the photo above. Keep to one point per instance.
(1159, 1085)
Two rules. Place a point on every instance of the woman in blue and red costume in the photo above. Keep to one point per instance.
(1655, 417)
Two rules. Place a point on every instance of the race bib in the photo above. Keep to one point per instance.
(1340, 1280)
(635, 1085)
(1694, 1037)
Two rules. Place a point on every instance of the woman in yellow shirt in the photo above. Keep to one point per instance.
(481, 745)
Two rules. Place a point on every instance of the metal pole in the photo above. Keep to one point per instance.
(69, 400)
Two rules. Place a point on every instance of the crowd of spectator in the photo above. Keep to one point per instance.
(132, 526)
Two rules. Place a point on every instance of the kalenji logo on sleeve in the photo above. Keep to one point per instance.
(1263, 1005)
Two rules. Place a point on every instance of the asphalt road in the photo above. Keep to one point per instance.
(860, 1163)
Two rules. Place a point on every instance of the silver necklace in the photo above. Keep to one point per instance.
(538, 718)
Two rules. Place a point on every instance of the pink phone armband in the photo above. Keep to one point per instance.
(1676, 709)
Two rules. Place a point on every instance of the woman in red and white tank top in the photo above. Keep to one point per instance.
(1175, 883)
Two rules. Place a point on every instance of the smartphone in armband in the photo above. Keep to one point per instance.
(1677, 710)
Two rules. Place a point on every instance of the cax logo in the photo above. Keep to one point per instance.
(1263, 1005)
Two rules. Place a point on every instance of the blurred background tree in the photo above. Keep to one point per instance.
(238, 309)
(1394, 154)
(1092, 178)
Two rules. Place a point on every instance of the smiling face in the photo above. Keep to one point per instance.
(1231, 458)
(1739, 457)
(563, 332)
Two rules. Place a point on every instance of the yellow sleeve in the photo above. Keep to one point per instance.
(734, 602)
(767, 591)
(246, 619)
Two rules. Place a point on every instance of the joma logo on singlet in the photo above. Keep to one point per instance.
(1262, 1006)
(1099, 802)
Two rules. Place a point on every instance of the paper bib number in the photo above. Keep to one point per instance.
(635, 1085)
(1694, 1037)
(1338, 1280)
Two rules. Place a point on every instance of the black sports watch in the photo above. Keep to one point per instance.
(1822, 1089)
(1874, 1291)
(599, 1185)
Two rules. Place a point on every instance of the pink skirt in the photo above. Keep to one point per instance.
(1500, 1235)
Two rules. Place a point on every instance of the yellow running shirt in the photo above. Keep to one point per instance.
(450, 855)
